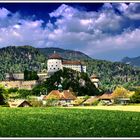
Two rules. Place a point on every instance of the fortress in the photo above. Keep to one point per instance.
(54, 64)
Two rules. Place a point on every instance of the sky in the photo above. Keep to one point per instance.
(107, 31)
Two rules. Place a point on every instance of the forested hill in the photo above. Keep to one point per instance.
(66, 54)
(135, 61)
(17, 59)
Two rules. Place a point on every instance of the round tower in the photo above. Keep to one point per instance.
(54, 63)
(95, 79)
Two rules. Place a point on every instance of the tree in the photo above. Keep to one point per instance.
(69, 79)
(30, 75)
(23, 93)
(2, 100)
(136, 97)
(121, 92)
(39, 89)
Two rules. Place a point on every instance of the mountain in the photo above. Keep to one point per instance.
(18, 58)
(135, 61)
(66, 54)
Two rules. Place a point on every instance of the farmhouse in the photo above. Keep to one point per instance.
(107, 98)
(91, 100)
(63, 97)
(19, 103)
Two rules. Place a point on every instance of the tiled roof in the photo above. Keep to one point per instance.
(56, 94)
(55, 56)
(91, 99)
(71, 63)
(106, 96)
(17, 103)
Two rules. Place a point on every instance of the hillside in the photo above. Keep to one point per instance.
(135, 61)
(66, 54)
(17, 59)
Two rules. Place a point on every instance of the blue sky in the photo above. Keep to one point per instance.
(107, 31)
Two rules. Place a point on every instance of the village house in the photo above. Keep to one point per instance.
(19, 103)
(79, 101)
(62, 97)
(91, 100)
(107, 98)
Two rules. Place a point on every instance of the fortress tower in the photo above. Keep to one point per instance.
(95, 79)
(54, 63)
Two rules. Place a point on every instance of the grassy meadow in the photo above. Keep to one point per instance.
(68, 122)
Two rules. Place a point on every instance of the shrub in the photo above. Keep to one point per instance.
(36, 103)
(136, 97)
(51, 102)
(96, 102)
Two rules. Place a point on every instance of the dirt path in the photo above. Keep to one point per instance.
(134, 108)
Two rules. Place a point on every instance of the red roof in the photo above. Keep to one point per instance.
(106, 96)
(71, 63)
(56, 94)
(55, 56)
(94, 76)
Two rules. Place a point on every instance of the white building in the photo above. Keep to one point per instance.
(75, 65)
(55, 63)
(95, 80)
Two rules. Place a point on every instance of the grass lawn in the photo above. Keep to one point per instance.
(68, 122)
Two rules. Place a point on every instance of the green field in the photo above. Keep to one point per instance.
(66, 122)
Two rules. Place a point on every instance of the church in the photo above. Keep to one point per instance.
(56, 63)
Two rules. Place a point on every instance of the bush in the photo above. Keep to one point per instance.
(136, 97)
(23, 93)
(96, 102)
(51, 102)
(87, 104)
(5, 105)
(36, 103)
(2, 90)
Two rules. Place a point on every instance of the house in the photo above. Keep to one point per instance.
(62, 97)
(75, 65)
(123, 101)
(79, 101)
(107, 98)
(91, 100)
(19, 103)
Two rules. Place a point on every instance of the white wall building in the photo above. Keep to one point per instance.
(55, 63)
(75, 65)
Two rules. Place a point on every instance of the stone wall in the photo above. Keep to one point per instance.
(19, 84)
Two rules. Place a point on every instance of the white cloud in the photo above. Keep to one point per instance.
(93, 32)
(65, 11)
(4, 13)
